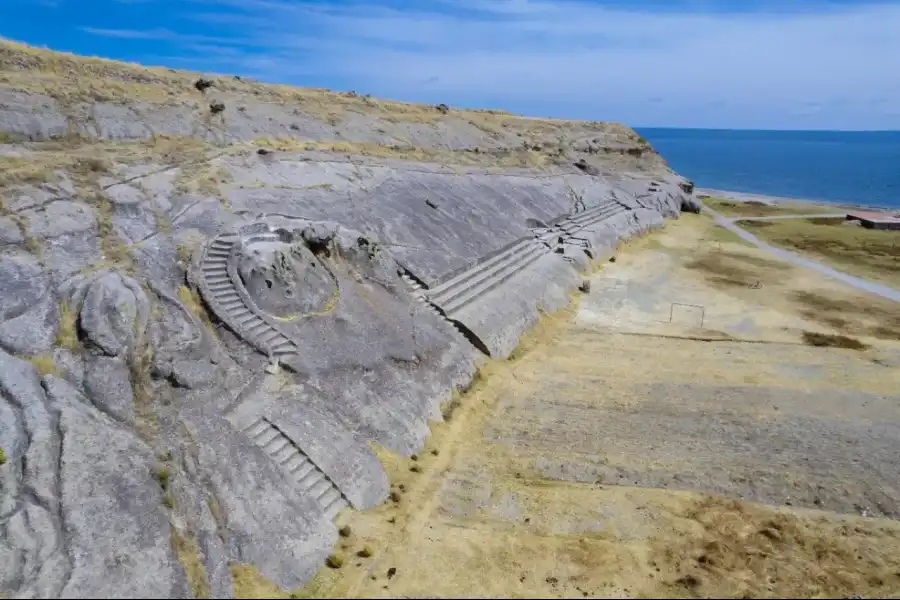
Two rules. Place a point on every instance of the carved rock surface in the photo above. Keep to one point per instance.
(112, 309)
(239, 328)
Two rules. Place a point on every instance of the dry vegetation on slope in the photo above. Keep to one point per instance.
(346, 122)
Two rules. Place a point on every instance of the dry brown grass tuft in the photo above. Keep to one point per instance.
(115, 250)
(202, 178)
(730, 269)
(192, 301)
(67, 332)
(45, 364)
(866, 315)
(750, 551)
(828, 340)
(140, 364)
(15, 170)
(248, 582)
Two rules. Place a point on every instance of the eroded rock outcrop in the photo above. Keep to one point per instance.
(28, 312)
(80, 515)
(199, 344)
(112, 310)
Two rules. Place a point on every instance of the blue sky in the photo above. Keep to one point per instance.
(814, 64)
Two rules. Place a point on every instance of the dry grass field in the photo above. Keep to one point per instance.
(869, 253)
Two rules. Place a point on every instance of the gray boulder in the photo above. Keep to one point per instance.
(28, 311)
(112, 310)
(82, 515)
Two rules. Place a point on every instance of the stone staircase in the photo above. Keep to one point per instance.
(305, 475)
(228, 302)
(565, 231)
(487, 275)
(572, 224)
(420, 296)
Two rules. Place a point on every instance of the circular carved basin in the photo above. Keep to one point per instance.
(285, 278)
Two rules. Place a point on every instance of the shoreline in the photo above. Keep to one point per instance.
(781, 200)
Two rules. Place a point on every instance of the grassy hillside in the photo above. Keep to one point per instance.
(47, 94)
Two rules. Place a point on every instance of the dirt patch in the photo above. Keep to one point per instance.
(731, 269)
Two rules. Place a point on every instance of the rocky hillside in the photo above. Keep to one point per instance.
(217, 296)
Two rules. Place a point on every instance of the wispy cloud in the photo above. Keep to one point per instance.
(769, 64)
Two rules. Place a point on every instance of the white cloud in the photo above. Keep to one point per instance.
(580, 59)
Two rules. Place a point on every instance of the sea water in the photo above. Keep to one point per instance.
(858, 167)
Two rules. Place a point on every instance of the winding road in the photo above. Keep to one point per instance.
(855, 282)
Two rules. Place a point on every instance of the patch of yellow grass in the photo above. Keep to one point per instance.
(188, 554)
(116, 252)
(514, 157)
(851, 313)
(70, 78)
(732, 265)
(15, 170)
(192, 301)
(140, 364)
(248, 582)
(202, 178)
(753, 208)
(747, 550)
(45, 364)
(67, 332)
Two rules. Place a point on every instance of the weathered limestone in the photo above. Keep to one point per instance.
(80, 516)
(28, 312)
(112, 310)
(221, 341)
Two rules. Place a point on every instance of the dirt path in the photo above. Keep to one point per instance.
(617, 456)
